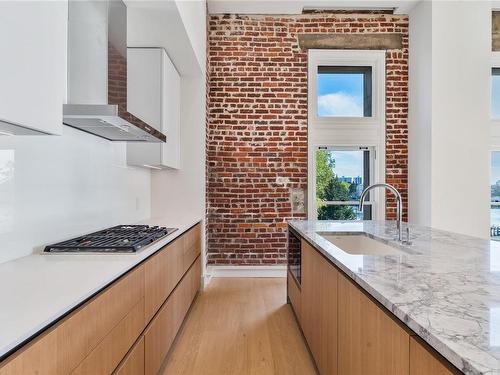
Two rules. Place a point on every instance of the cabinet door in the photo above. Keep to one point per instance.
(319, 308)
(33, 40)
(424, 362)
(162, 273)
(171, 114)
(133, 364)
(294, 296)
(161, 333)
(370, 342)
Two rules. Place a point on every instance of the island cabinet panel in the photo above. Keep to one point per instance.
(162, 330)
(319, 294)
(164, 270)
(62, 348)
(423, 361)
(294, 295)
(133, 363)
(370, 342)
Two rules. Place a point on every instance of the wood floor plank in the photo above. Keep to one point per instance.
(240, 326)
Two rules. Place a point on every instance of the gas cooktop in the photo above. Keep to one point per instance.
(119, 239)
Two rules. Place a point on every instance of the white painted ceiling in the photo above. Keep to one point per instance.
(297, 6)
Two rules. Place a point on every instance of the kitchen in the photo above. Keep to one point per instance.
(260, 187)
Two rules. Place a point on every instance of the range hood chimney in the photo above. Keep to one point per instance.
(97, 73)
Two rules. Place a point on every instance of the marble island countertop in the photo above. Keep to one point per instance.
(444, 286)
(37, 290)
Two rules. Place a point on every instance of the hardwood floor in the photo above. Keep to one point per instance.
(240, 326)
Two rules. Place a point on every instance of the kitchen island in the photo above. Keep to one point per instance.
(442, 291)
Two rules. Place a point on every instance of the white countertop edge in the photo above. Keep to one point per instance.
(139, 257)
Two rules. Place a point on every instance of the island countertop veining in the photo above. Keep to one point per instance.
(37, 290)
(446, 287)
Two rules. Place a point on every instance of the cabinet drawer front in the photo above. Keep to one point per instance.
(133, 364)
(192, 246)
(162, 273)
(370, 342)
(424, 362)
(294, 295)
(63, 347)
(162, 331)
(110, 351)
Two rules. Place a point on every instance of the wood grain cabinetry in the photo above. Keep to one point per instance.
(348, 332)
(161, 333)
(133, 363)
(62, 348)
(115, 331)
(369, 340)
(424, 361)
(319, 308)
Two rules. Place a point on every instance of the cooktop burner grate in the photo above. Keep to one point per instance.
(119, 239)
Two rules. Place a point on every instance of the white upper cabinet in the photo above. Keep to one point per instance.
(33, 40)
(153, 95)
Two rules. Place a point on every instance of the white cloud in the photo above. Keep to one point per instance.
(339, 104)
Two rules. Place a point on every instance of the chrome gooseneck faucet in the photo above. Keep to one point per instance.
(399, 213)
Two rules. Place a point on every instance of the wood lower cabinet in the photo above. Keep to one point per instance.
(348, 332)
(423, 360)
(97, 337)
(61, 349)
(369, 340)
(319, 308)
(133, 363)
(161, 333)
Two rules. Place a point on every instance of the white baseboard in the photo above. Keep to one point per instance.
(246, 271)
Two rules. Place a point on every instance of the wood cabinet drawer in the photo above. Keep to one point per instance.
(133, 363)
(110, 351)
(192, 246)
(294, 295)
(369, 340)
(61, 349)
(164, 327)
(423, 360)
(165, 269)
(162, 273)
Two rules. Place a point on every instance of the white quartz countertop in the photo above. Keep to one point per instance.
(37, 290)
(444, 286)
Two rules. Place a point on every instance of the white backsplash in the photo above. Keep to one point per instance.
(56, 187)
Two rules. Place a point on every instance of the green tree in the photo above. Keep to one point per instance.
(330, 188)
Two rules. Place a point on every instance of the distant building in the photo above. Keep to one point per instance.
(357, 180)
(346, 179)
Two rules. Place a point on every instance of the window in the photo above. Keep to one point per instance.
(495, 93)
(341, 175)
(495, 196)
(344, 91)
(346, 129)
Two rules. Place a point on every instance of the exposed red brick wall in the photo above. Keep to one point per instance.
(257, 126)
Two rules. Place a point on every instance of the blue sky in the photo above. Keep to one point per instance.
(348, 163)
(340, 95)
(495, 167)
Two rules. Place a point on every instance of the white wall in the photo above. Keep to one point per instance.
(455, 120)
(57, 187)
(419, 116)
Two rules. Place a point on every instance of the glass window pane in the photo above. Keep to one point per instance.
(495, 93)
(341, 176)
(495, 195)
(344, 91)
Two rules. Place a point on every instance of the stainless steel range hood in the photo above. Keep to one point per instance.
(97, 74)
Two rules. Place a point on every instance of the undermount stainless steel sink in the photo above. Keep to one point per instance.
(360, 244)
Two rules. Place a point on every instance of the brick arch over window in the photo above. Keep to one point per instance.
(257, 127)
